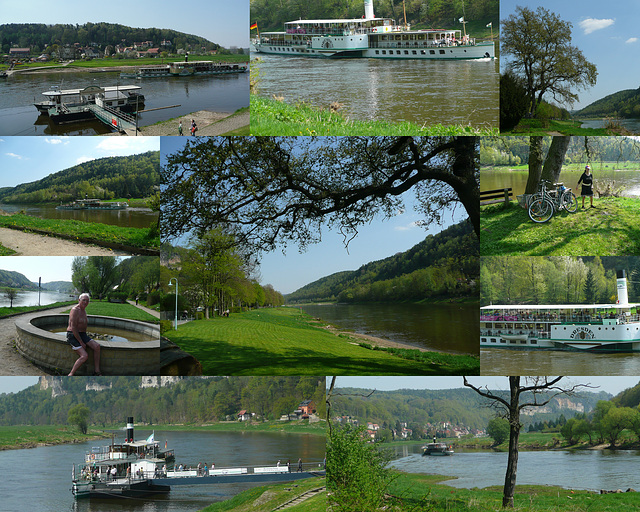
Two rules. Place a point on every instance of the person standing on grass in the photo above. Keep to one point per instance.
(77, 336)
(587, 185)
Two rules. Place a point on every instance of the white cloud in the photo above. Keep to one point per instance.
(631, 40)
(13, 155)
(591, 24)
(407, 227)
(64, 140)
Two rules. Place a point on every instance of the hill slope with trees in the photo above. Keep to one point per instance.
(619, 104)
(443, 265)
(11, 279)
(135, 176)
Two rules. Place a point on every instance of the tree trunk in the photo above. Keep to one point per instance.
(535, 164)
(514, 435)
(466, 159)
(555, 158)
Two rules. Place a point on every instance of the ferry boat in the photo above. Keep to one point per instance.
(588, 327)
(437, 449)
(92, 204)
(136, 464)
(194, 68)
(121, 97)
(372, 37)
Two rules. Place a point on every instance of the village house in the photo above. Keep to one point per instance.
(19, 53)
(243, 415)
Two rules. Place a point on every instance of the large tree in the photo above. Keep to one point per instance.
(545, 167)
(533, 392)
(538, 47)
(272, 191)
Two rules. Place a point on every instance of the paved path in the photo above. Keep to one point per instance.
(208, 123)
(143, 308)
(11, 362)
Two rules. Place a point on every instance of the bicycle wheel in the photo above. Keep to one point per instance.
(540, 210)
(569, 202)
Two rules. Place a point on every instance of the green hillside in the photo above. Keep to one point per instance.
(442, 265)
(11, 279)
(135, 176)
(619, 104)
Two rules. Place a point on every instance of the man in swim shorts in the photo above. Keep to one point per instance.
(77, 336)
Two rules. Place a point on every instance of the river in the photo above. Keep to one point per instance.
(579, 469)
(31, 298)
(130, 217)
(422, 92)
(41, 477)
(18, 116)
(451, 328)
(517, 180)
(633, 125)
(496, 361)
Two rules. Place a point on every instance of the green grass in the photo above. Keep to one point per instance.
(21, 436)
(290, 427)
(271, 117)
(537, 127)
(268, 497)
(6, 311)
(127, 311)
(283, 342)
(5, 251)
(426, 492)
(94, 232)
(611, 229)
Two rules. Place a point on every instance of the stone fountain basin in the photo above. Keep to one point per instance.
(50, 351)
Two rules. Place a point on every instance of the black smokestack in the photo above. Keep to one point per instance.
(130, 429)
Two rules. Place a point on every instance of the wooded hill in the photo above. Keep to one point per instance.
(38, 36)
(272, 14)
(135, 176)
(11, 279)
(187, 401)
(619, 104)
(443, 265)
(456, 406)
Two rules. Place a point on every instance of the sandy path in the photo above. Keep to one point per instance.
(208, 123)
(30, 244)
(11, 362)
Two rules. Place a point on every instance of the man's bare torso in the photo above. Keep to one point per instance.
(77, 319)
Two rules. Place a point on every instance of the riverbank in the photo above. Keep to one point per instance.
(309, 495)
(570, 127)
(208, 123)
(285, 341)
(18, 437)
(608, 229)
(273, 117)
(114, 239)
(410, 491)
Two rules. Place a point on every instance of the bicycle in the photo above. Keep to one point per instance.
(543, 204)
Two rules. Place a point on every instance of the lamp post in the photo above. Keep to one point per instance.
(175, 323)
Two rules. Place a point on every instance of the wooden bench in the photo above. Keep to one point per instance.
(496, 196)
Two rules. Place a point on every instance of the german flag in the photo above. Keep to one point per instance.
(255, 25)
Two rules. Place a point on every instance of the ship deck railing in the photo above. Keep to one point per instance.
(515, 332)
(559, 319)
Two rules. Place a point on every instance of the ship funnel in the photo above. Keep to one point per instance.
(623, 298)
(130, 429)
(368, 10)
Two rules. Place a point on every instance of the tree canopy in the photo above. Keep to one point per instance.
(538, 46)
(271, 191)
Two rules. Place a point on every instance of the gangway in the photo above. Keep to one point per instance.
(114, 118)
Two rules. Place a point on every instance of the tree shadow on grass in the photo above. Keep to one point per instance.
(226, 358)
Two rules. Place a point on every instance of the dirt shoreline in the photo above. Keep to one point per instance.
(30, 244)
(374, 340)
(208, 123)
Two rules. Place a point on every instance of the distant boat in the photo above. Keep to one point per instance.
(92, 204)
(121, 97)
(438, 449)
(194, 68)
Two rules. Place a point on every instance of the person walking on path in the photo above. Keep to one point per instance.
(587, 185)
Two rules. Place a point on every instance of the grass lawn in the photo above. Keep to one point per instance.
(92, 231)
(291, 427)
(271, 117)
(127, 311)
(282, 342)
(536, 127)
(21, 436)
(426, 492)
(267, 497)
(6, 311)
(610, 229)
(4, 251)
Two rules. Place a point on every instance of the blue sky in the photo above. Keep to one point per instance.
(26, 159)
(608, 33)
(49, 268)
(225, 22)
(613, 385)
(380, 239)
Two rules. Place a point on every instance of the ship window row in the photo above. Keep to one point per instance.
(406, 52)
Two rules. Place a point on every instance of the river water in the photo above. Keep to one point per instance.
(31, 298)
(130, 217)
(422, 92)
(499, 178)
(452, 328)
(18, 116)
(633, 125)
(495, 361)
(580, 469)
(42, 476)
